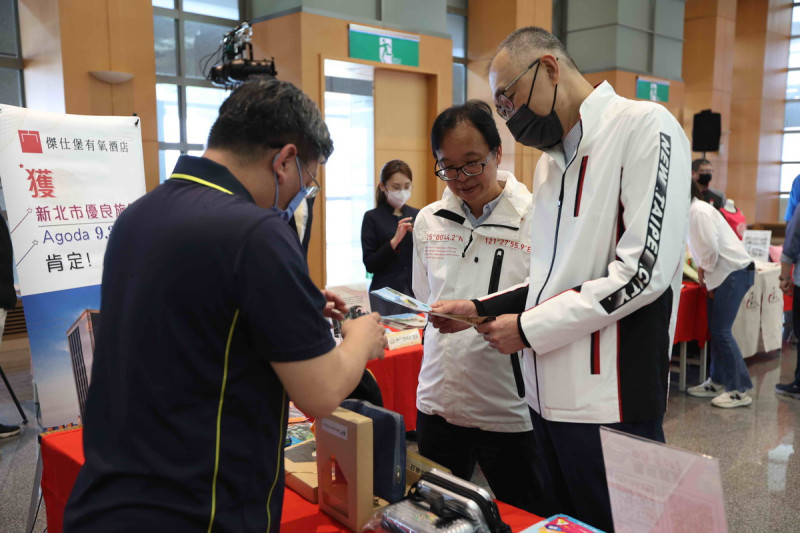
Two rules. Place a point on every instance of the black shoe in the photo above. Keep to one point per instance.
(8, 431)
(790, 389)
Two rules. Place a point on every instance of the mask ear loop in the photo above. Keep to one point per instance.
(535, 73)
(555, 92)
(275, 175)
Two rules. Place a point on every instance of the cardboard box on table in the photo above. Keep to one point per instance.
(344, 466)
(327, 479)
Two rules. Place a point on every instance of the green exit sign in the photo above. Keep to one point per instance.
(385, 46)
(656, 91)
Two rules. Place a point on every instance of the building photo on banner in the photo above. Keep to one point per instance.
(66, 180)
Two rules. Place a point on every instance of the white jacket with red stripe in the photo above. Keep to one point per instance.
(462, 379)
(608, 239)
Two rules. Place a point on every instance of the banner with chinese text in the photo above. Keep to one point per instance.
(66, 179)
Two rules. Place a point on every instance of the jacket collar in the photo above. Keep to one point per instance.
(591, 110)
(514, 202)
(209, 174)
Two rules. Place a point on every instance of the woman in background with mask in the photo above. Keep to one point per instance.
(386, 240)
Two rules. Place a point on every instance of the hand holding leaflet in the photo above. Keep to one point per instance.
(391, 295)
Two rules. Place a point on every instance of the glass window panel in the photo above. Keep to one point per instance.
(349, 183)
(8, 29)
(196, 153)
(166, 54)
(457, 28)
(796, 20)
(793, 85)
(794, 53)
(227, 9)
(169, 4)
(459, 83)
(788, 174)
(169, 122)
(202, 108)
(200, 40)
(792, 116)
(10, 87)
(166, 162)
(791, 147)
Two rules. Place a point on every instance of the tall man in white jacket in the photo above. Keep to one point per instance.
(597, 318)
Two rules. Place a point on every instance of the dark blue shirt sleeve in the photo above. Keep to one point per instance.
(794, 199)
(278, 301)
(791, 245)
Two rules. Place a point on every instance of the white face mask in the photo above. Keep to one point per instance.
(397, 199)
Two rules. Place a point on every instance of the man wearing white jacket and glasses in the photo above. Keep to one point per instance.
(473, 242)
(609, 216)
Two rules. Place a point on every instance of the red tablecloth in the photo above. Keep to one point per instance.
(692, 321)
(397, 374)
(62, 457)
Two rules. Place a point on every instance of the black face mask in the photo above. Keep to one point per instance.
(530, 129)
(704, 179)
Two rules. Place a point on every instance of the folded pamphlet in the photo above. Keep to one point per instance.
(397, 297)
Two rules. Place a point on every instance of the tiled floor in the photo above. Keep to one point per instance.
(755, 445)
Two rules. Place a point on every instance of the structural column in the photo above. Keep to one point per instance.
(63, 41)
(490, 22)
(757, 106)
(708, 52)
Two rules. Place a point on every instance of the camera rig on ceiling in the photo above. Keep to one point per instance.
(234, 60)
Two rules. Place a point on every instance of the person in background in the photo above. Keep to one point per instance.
(702, 172)
(726, 270)
(8, 298)
(473, 242)
(385, 236)
(790, 284)
(211, 324)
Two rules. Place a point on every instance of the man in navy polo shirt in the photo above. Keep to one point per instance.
(210, 324)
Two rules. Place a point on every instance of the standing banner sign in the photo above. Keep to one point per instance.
(66, 180)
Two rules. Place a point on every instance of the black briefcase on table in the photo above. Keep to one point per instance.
(389, 449)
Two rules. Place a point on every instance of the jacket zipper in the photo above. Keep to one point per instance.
(494, 284)
(553, 260)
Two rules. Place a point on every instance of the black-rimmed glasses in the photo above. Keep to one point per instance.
(451, 173)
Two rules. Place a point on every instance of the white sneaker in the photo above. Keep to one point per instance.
(732, 399)
(707, 389)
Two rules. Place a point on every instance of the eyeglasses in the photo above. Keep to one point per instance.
(503, 104)
(312, 191)
(451, 173)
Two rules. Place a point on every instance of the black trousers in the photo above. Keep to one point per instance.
(571, 465)
(508, 460)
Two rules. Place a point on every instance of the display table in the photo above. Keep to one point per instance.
(691, 325)
(397, 374)
(62, 458)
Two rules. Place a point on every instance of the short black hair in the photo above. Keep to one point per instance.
(697, 163)
(522, 42)
(475, 112)
(267, 113)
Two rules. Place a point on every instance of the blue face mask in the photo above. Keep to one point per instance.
(288, 213)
